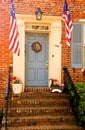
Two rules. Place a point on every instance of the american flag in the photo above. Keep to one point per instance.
(14, 35)
(68, 23)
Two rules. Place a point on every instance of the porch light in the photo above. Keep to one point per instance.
(38, 14)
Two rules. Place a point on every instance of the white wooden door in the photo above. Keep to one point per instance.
(36, 69)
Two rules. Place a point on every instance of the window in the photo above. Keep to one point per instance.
(77, 46)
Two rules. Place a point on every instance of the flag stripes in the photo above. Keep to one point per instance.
(14, 35)
(68, 23)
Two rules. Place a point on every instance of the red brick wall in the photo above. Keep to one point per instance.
(77, 11)
(49, 7)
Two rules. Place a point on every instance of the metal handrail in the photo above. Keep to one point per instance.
(7, 98)
(68, 81)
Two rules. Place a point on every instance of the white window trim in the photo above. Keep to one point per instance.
(83, 22)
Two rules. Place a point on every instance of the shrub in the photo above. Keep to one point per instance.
(78, 101)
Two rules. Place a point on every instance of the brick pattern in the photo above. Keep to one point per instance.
(49, 7)
(39, 109)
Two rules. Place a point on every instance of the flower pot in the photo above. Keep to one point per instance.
(17, 88)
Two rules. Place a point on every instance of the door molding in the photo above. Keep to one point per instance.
(54, 63)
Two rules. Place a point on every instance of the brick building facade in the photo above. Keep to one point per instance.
(49, 8)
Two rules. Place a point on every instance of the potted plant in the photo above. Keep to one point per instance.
(56, 86)
(17, 85)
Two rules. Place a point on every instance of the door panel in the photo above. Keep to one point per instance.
(36, 74)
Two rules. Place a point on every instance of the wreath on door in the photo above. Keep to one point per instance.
(36, 46)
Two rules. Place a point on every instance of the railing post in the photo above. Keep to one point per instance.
(7, 98)
(6, 114)
(1, 117)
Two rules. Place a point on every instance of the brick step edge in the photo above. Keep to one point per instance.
(43, 109)
(37, 89)
(40, 102)
(36, 120)
(40, 95)
(45, 127)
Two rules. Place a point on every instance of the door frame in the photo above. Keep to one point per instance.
(54, 49)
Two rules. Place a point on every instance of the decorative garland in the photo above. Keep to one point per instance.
(36, 46)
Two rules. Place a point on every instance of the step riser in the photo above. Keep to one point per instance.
(37, 89)
(43, 103)
(29, 123)
(40, 111)
(54, 127)
(42, 96)
(48, 121)
(40, 114)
